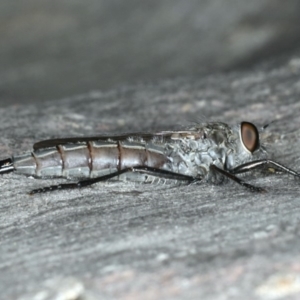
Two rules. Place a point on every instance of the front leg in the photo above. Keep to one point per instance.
(253, 165)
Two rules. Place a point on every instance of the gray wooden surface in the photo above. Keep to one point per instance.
(59, 48)
(122, 240)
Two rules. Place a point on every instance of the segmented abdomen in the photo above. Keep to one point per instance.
(91, 159)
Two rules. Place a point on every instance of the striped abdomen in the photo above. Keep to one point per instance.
(89, 159)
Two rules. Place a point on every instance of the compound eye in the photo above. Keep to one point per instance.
(249, 135)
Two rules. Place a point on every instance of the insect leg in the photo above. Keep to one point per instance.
(231, 176)
(6, 166)
(162, 173)
(261, 163)
(141, 169)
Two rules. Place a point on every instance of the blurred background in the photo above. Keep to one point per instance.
(59, 48)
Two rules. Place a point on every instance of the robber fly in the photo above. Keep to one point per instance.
(210, 151)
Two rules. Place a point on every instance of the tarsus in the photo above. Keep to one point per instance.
(6, 166)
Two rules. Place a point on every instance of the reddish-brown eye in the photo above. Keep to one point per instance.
(249, 135)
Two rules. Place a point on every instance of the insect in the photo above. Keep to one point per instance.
(210, 151)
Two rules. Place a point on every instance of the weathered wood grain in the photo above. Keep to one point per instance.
(132, 241)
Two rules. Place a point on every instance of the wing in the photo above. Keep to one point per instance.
(137, 136)
(73, 140)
